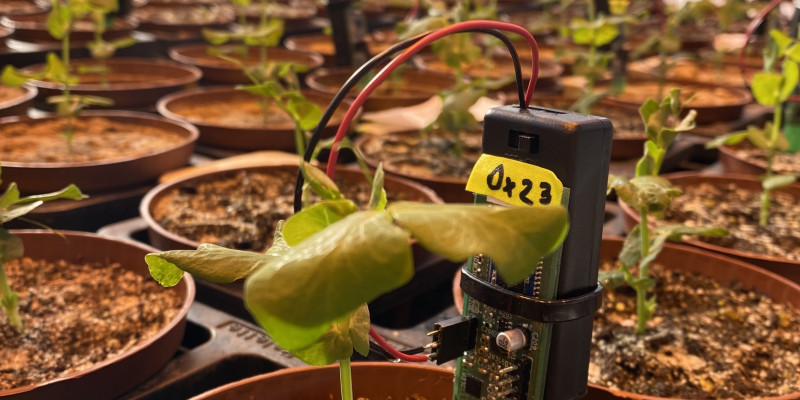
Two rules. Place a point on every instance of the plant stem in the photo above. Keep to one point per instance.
(346, 379)
(10, 305)
(641, 308)
(67, 93)
(777, 120)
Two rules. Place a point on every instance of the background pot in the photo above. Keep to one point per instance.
(172, 21)
(781, 266)
(134, 82)
(113, 377)
(416, 86)
(33, 28)
(218, 70)
(374, 380)
(103, 176)
(323, 44)
(720, 268)
(278, 136)
(20, 104)
(733, 163)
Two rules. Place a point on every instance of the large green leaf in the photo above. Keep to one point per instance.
(514, 237)
(71, 192)
(12, 77)
(59, 20)
(767, 88)
(313, 219)
(320, 183)
(11, 247)
(210, 262)
(328, 275)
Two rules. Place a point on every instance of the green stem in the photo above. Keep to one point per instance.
(9, 305)
(777, 120)
(346, 379)
(299, 140)
(67, 92)
(641, 295)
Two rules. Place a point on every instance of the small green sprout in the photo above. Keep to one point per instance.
(649, 193)
(13, 206)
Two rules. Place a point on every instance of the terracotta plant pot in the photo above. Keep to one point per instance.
(154, 202)
(221, 133)
(549, 71)
(103, 175)
(218, 70)
(132, 82)
(111, 378)
(21, 7)
(690, 71)
(734, 163)
(18, 100)
(296, 16)
(181, 21)
(713, 104)
(373, 380)
(781, 266)
(720, 268)
(416, 86)
(33, 28)
(323, 44)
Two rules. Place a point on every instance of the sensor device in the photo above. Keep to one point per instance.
(531, 340)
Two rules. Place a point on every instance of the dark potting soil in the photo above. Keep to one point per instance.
(242, 211)
(782, 163)
(94, 139)
(426, 155)
(707, 340)
(737, 210)
(75, 316)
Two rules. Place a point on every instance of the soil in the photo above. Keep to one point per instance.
(281, 11)
(234, 113)
(639, 92)
(95, 139)
(737, 210)
(75, 317)
(707, 340)
(185, 15)
(782, 163)
(10, 93)
(725, 75)
(499, 67)
(425, 155)
(242, 211)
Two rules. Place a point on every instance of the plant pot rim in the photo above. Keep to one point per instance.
(190, 75)
(548, 69)
(180, 316)
(355, 366)
(37, 21)
(148, 201)
(190, 137)
(226, 16)
(736, 263)
(312, 80)
(177, 53)
(30, 93)
(711, 247)
(743, 94)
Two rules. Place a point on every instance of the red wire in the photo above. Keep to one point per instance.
(391, 350)
(412, 12)
(433, 36)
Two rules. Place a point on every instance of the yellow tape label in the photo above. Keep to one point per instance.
(515, 182)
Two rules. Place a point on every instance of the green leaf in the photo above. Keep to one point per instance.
(605, 34)
(631, 251)
(56, 71)
(767, 88)
(306, 113)
(646, 165)
(70, 192)
(653, 193)
(611, 279)
(216, 37)
(313, 219)
(10, 196)
(790, 74)
(13, 78)
(210, 262)
(377, 198)
(793, 53)
(11, 247)
(95, 101)
(59, 20)
(16, 211)
(675, 233)
(269, 89)
(320, 183)
(642, 284)
(729, 139)
(513, 237)
(778, 181)
(652, 122)
(123, 42)
(759, 137)
(359, 330)
(782, 41)
(331, 273)
(334, 345)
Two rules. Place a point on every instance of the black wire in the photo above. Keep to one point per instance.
(365, 69)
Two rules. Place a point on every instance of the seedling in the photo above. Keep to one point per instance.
(649, 193)
(772, 89)
(309, 290)
(101, 49)
(12, 207)
(266, 34)
(60, 23)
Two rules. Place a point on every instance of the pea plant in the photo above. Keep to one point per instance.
(60, 23)
(99, 48)
(14, 206)
(772, 89)
(649, 193)
(267, 33)
(310, 290)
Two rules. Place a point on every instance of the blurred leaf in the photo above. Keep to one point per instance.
(377, 198)
(14, 78)
(766, 88)
(778, 181)
(729, 139)
(305, 112)
(790, 74)
(216, 37)
(59, 20)
(313, 219)
(320, 183)
(781, 40)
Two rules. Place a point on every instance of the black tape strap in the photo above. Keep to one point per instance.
(546, 311)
